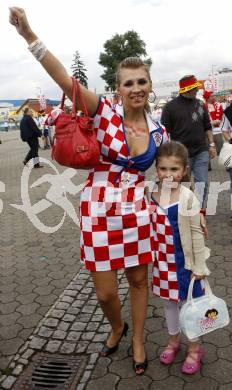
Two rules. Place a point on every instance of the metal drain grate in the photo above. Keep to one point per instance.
(51, 375)
(49, 372)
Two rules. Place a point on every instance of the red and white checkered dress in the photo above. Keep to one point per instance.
(116, 229)
(165, 282)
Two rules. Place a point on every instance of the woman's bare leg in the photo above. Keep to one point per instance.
(106, 286)
(138, 281)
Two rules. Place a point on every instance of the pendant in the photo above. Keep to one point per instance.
(125, 178)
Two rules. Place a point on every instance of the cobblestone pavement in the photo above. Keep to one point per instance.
(47, 303)
(35, 267)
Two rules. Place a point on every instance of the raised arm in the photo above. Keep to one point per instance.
(50, 63)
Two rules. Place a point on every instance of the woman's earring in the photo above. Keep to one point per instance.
(119, 100)
(152, 97)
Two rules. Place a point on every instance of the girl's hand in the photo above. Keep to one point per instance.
(204, 226)
(197, 277)
(18, 18)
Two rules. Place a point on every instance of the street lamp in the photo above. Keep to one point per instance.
(213, 79)
(213, 66)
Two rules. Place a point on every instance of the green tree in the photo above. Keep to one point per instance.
(79, 70)
(116, 49)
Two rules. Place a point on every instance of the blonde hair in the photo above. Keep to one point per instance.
(133, 63)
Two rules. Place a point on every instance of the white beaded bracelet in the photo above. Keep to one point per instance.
(38, 49)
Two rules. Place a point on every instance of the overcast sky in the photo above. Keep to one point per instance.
(181, 36)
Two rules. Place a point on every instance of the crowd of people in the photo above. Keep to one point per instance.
(165, 228)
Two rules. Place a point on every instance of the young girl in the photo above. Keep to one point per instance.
(180, 251)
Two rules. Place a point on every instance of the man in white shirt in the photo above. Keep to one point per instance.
(157, 112)
(44, 128)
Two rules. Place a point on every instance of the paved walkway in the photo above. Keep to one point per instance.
(35, 267)
(47, 303)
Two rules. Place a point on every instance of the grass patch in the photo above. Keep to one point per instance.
(6, 371)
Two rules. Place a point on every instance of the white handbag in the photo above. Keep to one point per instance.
(225, 155)
(202, 315)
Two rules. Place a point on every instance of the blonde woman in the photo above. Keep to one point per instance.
(116, 230)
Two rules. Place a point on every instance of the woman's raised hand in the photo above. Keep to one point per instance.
(18, 18)
(50, 63)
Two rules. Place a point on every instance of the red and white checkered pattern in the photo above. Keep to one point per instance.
(164, 282)
(116, 229)
(110, 132)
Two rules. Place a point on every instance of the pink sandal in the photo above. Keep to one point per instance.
(169, 354)
(192, 368)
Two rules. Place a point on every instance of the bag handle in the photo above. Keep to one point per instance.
(208, 290)
(80, 96)
(76, 94)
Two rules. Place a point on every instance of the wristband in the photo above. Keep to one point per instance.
(212, 145)
(38, 49)
(203, 212)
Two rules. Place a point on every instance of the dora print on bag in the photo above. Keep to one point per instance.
(209, 322)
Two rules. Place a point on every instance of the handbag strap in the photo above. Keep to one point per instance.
(77, 94)
(208, 290)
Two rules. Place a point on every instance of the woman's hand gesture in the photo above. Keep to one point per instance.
(18, 18)
(50, 63)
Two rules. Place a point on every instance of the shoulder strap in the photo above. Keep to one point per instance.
(77, 95)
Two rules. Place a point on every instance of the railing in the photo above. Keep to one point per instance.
(9, 127)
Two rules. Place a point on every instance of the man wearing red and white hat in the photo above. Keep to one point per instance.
(187, 120)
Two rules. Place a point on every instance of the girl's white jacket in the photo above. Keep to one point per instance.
(191, 235)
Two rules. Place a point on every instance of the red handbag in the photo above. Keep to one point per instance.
(75, 143)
